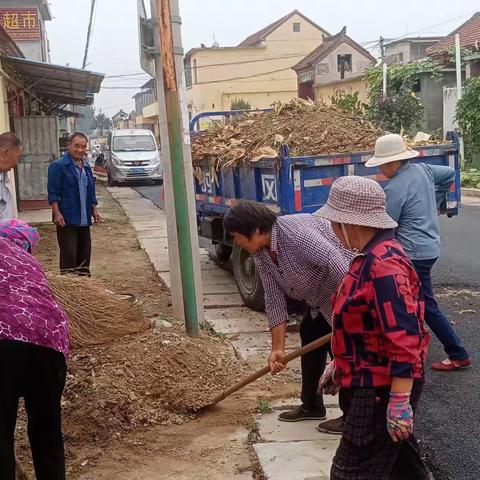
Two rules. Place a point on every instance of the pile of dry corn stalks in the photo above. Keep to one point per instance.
(307, 128)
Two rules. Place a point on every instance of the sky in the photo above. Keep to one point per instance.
(114, 44)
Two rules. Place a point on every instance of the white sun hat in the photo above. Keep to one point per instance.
(357, 201)
(390, 148)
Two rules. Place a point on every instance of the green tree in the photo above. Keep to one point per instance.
(101, 122)
(468, 118)
(240, 104)
(400, 108)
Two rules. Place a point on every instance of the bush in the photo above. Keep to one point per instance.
(240, 104)
(400, 109)
(468, 115)
(348, 102)
(470, 178)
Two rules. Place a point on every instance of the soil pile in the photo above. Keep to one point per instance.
(307, 129)
(155, 378)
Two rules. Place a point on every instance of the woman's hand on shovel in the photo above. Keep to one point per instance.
(276, 361)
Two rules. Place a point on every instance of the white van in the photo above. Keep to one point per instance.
(133, 156)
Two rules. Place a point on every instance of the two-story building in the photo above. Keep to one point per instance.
(406, 50)
(24, 21)
(337, 64)
(258, 70)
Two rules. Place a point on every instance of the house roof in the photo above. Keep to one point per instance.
(57, 83)
(469, 36)
(259, 36)
(413, 40)
(328, 46)
(8, 46)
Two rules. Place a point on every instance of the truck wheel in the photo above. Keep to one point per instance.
(223, 252)
(248, 280)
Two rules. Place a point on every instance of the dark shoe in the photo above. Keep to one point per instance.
(450, 365)
(299, 413)
(336, 426)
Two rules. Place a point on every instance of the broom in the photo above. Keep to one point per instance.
(96, 316)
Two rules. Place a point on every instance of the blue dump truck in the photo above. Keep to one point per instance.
(289, 185)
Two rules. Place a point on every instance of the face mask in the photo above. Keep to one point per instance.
(347, 240)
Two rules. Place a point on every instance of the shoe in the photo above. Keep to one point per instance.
(448, 365)
(299, 413)
(336, 426)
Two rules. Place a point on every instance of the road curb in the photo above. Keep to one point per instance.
(471, 192)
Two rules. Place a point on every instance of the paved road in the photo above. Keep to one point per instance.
(448, 423)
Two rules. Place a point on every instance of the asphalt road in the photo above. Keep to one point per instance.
(448, 421)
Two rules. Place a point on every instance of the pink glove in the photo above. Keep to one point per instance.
(326, 385)
(399, 416)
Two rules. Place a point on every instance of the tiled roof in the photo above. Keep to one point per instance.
(469, 36)
(257, 37)
(330, 44)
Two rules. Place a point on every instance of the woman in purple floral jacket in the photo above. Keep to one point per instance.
(34, 346)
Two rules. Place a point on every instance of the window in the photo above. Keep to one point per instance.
(296, 27)
(188, 72)
(134, 143)
(195, 73)
(344, 64)
(400, 57)
(417, 86)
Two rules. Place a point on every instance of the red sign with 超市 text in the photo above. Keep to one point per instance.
(22, 24)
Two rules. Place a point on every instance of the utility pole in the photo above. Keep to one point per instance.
(458, 65)
(186, 286)
(89, 34)
(384, 66)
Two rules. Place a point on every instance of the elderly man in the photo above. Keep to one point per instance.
(71, 193)
(299, 257)
(10, 153)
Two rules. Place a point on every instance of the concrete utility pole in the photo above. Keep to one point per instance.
(384, 66)
(458, 65)
(186, 286)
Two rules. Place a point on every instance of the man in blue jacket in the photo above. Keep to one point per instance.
(414, 194)
(71, 193)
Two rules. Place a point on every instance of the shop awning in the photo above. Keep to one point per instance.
(62, 85)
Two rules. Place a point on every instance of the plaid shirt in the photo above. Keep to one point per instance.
(311, 263)
(378, 321)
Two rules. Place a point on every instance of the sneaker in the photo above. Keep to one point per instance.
(336, 426)
(299, 413)
(448, 365)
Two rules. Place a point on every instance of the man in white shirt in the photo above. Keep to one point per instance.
(10, 153)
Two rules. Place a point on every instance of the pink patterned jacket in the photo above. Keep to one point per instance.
(28, 309)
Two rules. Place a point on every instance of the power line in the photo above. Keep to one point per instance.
(89, 33)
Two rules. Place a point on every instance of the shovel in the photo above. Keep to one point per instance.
(260, 373)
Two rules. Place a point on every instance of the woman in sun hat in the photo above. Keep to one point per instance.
(414, 194)
(34, 346)
(379, 341)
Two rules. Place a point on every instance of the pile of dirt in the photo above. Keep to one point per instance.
(307, 129)
(160, 377)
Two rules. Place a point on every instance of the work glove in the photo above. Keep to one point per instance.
(327, 385)
(399, 416)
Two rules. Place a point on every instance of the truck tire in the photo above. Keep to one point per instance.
(248, 280)
(223, 252)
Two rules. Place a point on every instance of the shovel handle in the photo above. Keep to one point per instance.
(320, 342)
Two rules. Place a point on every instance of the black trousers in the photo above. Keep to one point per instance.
(38, 375)
(75, 249)
(313, 363)
(366, 451)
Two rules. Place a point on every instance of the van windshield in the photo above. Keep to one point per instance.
(134, 143)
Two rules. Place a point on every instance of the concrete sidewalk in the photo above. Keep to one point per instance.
(290, 451)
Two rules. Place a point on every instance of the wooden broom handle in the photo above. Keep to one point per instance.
(320, 342)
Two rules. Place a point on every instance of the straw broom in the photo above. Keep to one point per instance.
(96, 316)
